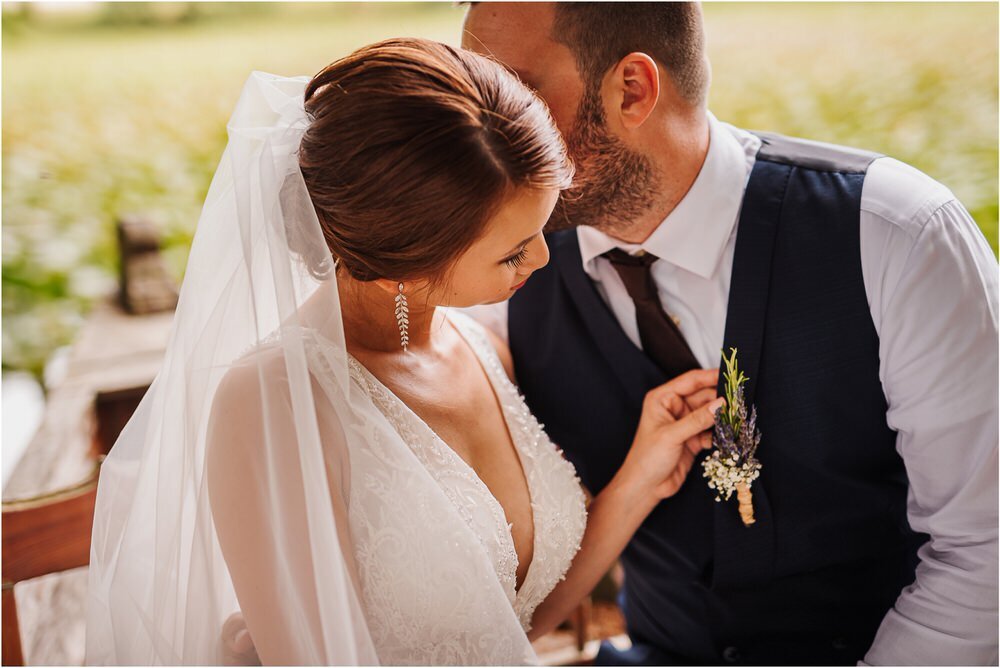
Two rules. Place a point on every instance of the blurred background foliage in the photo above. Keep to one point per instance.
(117, 108)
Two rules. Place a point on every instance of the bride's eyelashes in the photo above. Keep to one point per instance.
(516, 260)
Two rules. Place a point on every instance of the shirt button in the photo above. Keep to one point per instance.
(731, 655)
(677, 321)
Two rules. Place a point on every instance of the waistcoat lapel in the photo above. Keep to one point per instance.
(628, 362)
(742, 552)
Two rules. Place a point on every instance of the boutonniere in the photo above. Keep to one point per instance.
(733, 466)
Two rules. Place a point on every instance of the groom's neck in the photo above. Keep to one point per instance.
(678, 148)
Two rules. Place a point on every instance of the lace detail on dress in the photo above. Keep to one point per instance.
(557, 498)
(422, 593)
(458, 481)
(430, 591)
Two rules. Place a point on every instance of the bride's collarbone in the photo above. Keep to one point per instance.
(455, 398)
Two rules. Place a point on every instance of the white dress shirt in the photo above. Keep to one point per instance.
(931, 282)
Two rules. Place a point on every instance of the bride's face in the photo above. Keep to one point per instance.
(501, 260)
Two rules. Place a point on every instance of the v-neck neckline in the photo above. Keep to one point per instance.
(464, 465)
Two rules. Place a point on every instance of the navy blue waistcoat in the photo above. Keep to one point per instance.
(831, 550)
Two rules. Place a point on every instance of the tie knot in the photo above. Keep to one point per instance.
(658, 334)
(635, 272)
(618, 257)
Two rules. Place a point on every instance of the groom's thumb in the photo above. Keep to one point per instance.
(696, 422)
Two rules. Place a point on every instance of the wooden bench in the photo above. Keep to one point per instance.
(49, 533)
(48, 502)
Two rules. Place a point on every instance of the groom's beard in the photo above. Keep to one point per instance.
(613, 185)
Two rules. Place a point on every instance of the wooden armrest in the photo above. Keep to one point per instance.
(43, 534)
(50, 532)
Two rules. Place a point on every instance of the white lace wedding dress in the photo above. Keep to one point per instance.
(429, 592)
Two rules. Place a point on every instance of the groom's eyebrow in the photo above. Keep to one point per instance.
(526, 77)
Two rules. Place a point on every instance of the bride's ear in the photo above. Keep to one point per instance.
(392, 287)
(635, 83)
(389, 285)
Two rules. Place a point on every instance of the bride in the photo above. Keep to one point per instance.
(331, 466)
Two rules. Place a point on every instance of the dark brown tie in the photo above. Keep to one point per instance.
(660, 338)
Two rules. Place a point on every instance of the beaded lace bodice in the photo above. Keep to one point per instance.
(414, 621)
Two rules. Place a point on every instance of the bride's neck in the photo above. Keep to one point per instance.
(370, 318)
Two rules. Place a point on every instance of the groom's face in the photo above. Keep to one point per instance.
(518, 34)
(614, 184)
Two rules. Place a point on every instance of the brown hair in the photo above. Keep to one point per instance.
(602, 33)
(411, 148)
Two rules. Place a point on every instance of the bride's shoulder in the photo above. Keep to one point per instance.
(254, 384)
(255, 377)
(264, 364)
(260, 365)
(259, 373)
(257, 411)
(487, 339)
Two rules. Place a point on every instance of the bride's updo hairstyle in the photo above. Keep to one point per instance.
(412, 147)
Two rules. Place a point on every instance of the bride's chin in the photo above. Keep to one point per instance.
(499, 300)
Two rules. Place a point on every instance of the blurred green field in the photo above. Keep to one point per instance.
(123, 110)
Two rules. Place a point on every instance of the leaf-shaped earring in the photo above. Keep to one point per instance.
(403, 318)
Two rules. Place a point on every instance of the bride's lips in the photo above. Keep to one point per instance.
(519, 285)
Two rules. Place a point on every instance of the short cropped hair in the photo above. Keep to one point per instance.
(599, 34)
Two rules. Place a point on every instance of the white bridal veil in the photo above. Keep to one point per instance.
(258, 506)
(160, 590)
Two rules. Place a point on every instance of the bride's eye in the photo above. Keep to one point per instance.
(515, 261)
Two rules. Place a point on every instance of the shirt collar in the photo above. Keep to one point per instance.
(694, 235)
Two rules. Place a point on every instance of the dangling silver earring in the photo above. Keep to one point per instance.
(403, 318)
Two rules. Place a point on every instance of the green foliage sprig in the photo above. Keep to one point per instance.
(735, 378)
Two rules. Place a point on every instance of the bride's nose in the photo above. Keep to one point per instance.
(538, 253)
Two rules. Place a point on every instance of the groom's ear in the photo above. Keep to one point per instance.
(635, 84)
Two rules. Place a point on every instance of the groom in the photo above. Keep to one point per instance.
(862, 300)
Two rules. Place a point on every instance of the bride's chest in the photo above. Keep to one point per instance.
(472, 423)
(442, 501)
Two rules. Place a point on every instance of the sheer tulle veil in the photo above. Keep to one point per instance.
(259, 278)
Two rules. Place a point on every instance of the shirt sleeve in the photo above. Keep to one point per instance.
(491, 316)
(932, 285)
